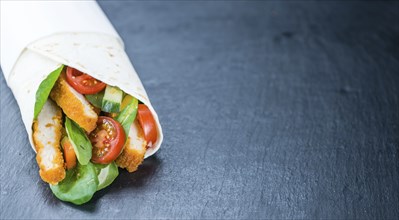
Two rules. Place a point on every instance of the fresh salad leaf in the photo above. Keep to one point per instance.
(106, 174)
(127, 116)
(96, 99)
(126, 101)
(79, 184)
(44, 90)
(80, 142)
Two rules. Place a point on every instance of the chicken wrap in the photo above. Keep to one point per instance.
(82, 103)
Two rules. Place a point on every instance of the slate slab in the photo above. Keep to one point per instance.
(270, 109)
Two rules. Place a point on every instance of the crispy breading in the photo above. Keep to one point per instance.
(133, 153)
(74, 104)
(47, 131)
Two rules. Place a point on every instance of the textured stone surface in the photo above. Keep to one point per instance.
(270, 110)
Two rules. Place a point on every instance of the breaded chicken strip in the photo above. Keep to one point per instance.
(133, 153)
(74, 104)
(47, 131)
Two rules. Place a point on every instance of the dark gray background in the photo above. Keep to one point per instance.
(269, 109)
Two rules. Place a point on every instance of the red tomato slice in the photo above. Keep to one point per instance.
(69, 153)
(107, 139)
(147, 122)
(82, 82)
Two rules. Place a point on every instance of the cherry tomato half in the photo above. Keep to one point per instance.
(147, 122)
(82, 82)
(69, 153)
(107, 140)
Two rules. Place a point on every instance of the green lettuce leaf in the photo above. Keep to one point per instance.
(127, 116)
(80, 142)
(79, 184)
(44, 90)
(106, 174)
(96, 99)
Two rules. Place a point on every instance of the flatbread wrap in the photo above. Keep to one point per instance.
(83, 105)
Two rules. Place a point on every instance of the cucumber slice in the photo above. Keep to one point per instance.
(112, 99)
(96, 99)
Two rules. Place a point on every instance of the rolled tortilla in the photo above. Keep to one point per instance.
(36, 39)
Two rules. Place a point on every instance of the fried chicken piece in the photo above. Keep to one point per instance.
(133, 153)
(74, 104)
(47, 131)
